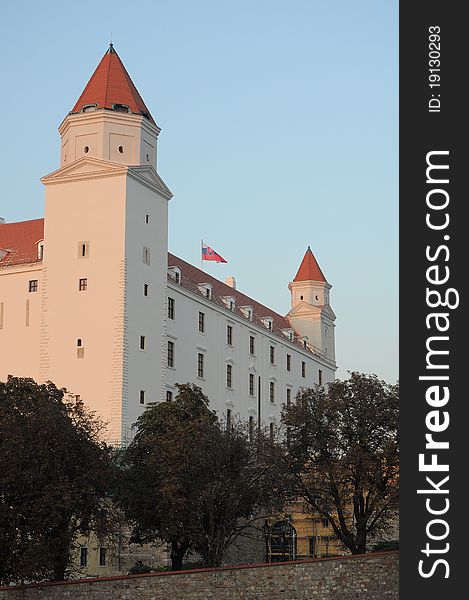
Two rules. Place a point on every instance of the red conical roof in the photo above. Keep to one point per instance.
(309, 269)
(109, 85)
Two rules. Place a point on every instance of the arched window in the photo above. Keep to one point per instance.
(281, 542)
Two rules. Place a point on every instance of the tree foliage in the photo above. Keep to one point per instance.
(190, 482)
(343, 451)
(54, 473)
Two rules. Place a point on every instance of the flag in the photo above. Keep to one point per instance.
(210, 254)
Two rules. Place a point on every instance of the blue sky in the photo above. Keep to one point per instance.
(279, 131)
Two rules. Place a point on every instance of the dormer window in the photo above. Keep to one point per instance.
(268, 322)
(89, 108)
(124, 108)
(206, 290)
(230, 302)
(175, 274)
(40, 249)
(247, 311)
(289, 334)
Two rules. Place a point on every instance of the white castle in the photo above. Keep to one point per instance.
(91, 300)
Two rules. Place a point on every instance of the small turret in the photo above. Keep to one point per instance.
(311, 315)
(110, 120)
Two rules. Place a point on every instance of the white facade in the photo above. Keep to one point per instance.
(267, 364)
(87, 301)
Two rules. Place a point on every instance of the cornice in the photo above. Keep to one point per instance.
(85, 168)
(147, 176)
(110, 116)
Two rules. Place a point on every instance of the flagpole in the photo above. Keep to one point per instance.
(201, 255)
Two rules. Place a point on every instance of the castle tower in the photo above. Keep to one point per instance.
(105, 253)
(311, 314)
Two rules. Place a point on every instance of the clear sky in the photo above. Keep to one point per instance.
(279, 131)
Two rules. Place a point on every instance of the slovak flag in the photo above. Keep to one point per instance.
(210, 254)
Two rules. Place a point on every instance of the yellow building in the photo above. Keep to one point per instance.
(297, 535)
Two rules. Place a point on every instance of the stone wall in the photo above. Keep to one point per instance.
(371, 576)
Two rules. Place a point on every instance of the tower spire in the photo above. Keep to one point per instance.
(309, 269)
(110, 87)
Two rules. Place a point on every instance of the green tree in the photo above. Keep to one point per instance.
(342, 448)
(244, 485)
(189, 482)
(54, 474)
(161, 471)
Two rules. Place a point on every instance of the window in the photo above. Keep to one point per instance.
(83, 284)
(320, 377)
(228, 419)
(271, 431)
(229, 302)
(251, 345)
(272, 392)
(303, 368)
(170, 308)
(288, 396)
(83, 249)
(272, 355)
(247, 311)
(305, 344)
(229, 335)
(80, 349)
(200, 365)
(169, 396)
(147, 217)
(40, 250)
(143, 342)
(251, 384)
(175, 274)
(205, 289)
(251, 428)
(145, 289)
(102, 557)
(288, 362)
(121, 108)
(201, 322)
(83, 557)
(33, 285)
(325, 522)
(142, 396)
(146, 255)
(312, 547)
(229, 376)
(79, 343)
(170, 354)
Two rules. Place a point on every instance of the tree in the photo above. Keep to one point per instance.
(161, 471)
(342, 448)
(188, 481)
(243, 487)
(54, 474)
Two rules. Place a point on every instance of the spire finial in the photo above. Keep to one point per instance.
(111, 47)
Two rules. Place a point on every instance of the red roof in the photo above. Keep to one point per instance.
(109, 85)
(18, 245)
(309, 269)
(19, 240)
(192, 277)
